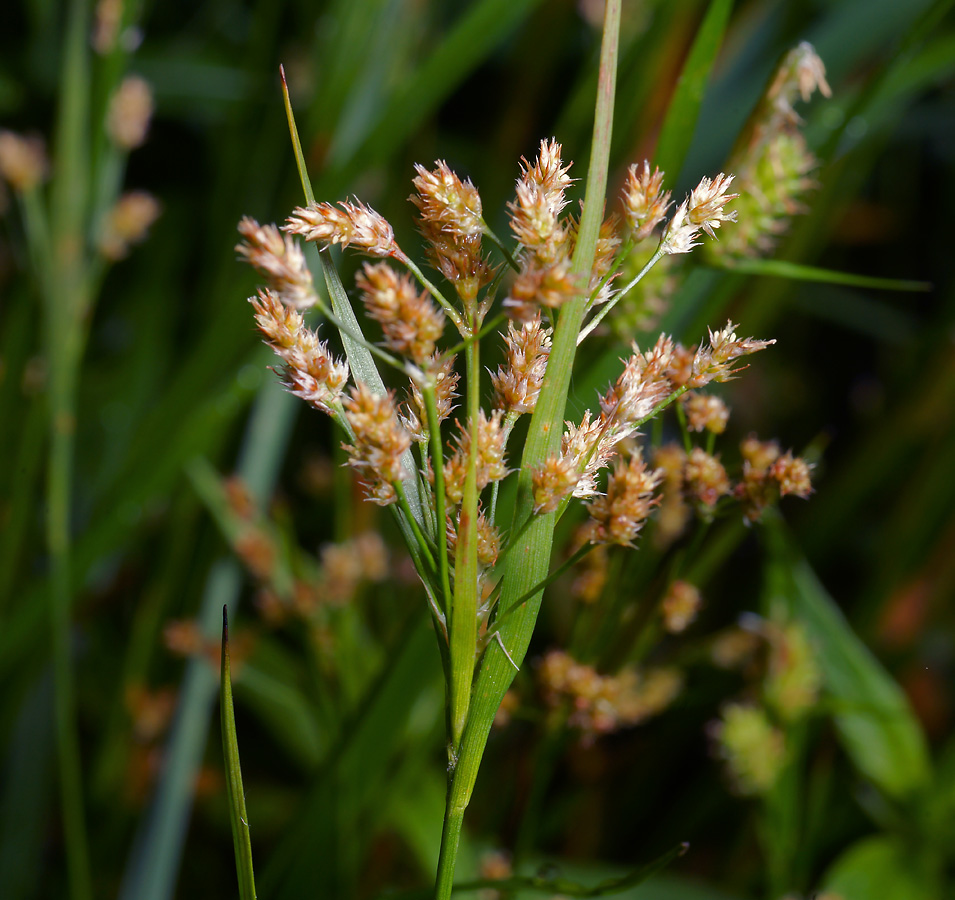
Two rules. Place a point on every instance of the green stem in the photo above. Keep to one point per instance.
(500, 246)
(423, 547)
(684, 430)
(450, 841)
(464, 611)
(610, 304)
(66, 306)
(59, 481)
(453, 314)
(440, 498)
(523, 570)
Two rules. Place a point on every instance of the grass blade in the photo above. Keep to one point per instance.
(233, 774)
(680, 122)
(877, 727)
(780, 268)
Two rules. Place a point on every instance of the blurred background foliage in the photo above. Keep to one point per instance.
(339, 716)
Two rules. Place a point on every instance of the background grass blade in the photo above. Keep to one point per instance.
(875, 722)
(679, 125)
(780, 268)
(238, 816)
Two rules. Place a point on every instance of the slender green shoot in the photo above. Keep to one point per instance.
(238, 817)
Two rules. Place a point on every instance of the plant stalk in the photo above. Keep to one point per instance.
(528, 566)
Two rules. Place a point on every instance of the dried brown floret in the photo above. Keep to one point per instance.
(517, 384)
(380, 441)
(280, 259)
(644, 202)
(410, 321)
(351, 223)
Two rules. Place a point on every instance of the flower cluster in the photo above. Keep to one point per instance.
(379, 442)
(600, 704)
(348, 224)
(410, 321)
(772, 159)
(649, 379)
(280, 259)
(450, 219)
(311, 372)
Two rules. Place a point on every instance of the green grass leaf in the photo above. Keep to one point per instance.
(780, 268)
(238, 816)
(680, 122)
(876, 725)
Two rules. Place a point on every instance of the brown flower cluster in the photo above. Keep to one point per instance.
(380, 442)
(450, 219)
(411, 323)
(617, 516)
(699, 479)
(648, 380)
(600, 704)
(517, 384)
(769, 474)
(280, 259)
(414, 415)
(348, 224)
(489, 456)
(545, 277)
(311, 372)
(644, 201)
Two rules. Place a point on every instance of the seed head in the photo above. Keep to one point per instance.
(643, 384)
(714, 361)
(553, 482)
(414, 415)
(311, 372)
(644, 202)
(792, 475)
(517, 384)
(380, 441)
(410, 321)
(619, 515)
(535, 214)
(680, 606)
(538, 284)
(705, 478)
(130, 109)
(128, 223)
(701, 211)
(23, 162)
(489, 456)
(488, 538)
(350, 223)
(705, 412)
(280, 259)
(447, 203)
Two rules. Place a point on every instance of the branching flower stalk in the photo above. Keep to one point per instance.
(484, 598)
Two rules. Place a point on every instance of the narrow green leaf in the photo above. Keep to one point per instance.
(680, 122)
(876, 725)
(484, 25)
(780, 268)
(238, 816)
(360, 360)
